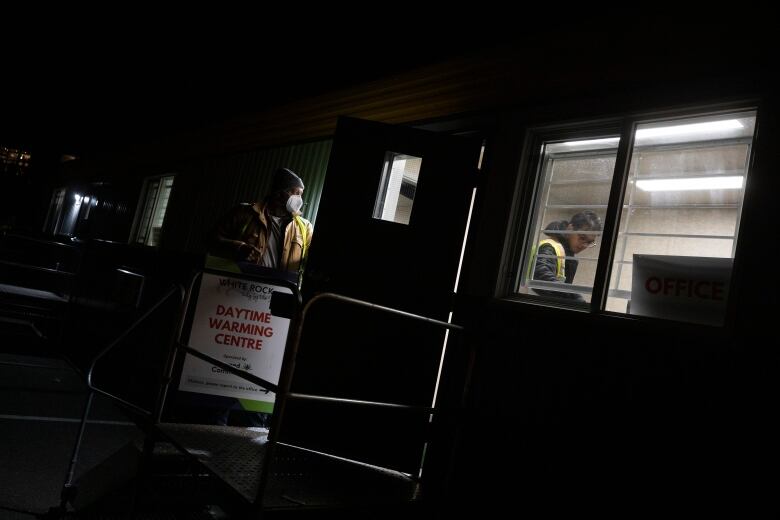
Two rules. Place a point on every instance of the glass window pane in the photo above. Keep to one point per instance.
(146, 217)
(561, 255)
(681, 208)
(159, 211)
(397, 187)
(154, 206)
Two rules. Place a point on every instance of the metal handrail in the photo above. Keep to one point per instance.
(362, 303)
(283, 388)
(290, 357)
(288, 370)
(68, 488)
(38, 268)
(178, 289)
(358, 402)
(40, 240)
(30, 324)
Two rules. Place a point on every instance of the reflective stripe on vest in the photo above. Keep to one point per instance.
(302, 229)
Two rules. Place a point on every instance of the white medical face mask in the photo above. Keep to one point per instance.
(294, 204)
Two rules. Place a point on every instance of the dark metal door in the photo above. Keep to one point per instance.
(408, 266)
(389, 231)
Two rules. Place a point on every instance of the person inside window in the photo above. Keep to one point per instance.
(555, 260)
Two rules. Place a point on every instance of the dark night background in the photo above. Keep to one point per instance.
(87, 88)
(120, 79)
(80, 82)
(95, 90)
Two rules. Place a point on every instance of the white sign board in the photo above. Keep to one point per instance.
(683, 288)
(232, 323)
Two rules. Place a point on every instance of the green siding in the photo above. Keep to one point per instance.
(205, 189)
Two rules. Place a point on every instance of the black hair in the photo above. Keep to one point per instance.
(584, 220)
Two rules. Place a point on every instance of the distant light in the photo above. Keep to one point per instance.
(86, 200)
(78, 198)
(692, 183)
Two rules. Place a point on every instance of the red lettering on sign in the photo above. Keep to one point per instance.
(717, 290)
(704, 289)
(238, 341)
(656, 285)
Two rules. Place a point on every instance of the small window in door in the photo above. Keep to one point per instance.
(397, 187)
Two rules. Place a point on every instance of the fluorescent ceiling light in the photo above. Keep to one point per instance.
(592, 142)
(692, 183)
(694, 128)
(665, 131)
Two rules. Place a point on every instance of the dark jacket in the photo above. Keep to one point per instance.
(248, 224)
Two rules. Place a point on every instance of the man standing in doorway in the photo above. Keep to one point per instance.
(270, 233)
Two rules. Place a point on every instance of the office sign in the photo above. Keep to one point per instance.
(683, 288)
(233, 324)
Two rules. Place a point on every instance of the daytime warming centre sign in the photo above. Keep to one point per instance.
(233, 324)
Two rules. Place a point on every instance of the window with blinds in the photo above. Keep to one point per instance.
(683, 183)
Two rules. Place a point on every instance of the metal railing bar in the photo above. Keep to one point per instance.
(400, 474)
(68, 489)
(39, 268)
(123, 402)
(173, 344)
(31, 325)
(361, 303)
(186, 305)
(128, 330)
(288, 371)
(23, 238)
(359, 402)
(175, 290)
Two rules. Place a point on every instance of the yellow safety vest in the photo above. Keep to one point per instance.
(302, 228)
(560, 271)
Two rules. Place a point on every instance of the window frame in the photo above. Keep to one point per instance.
(142, 204)
(529, 174)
